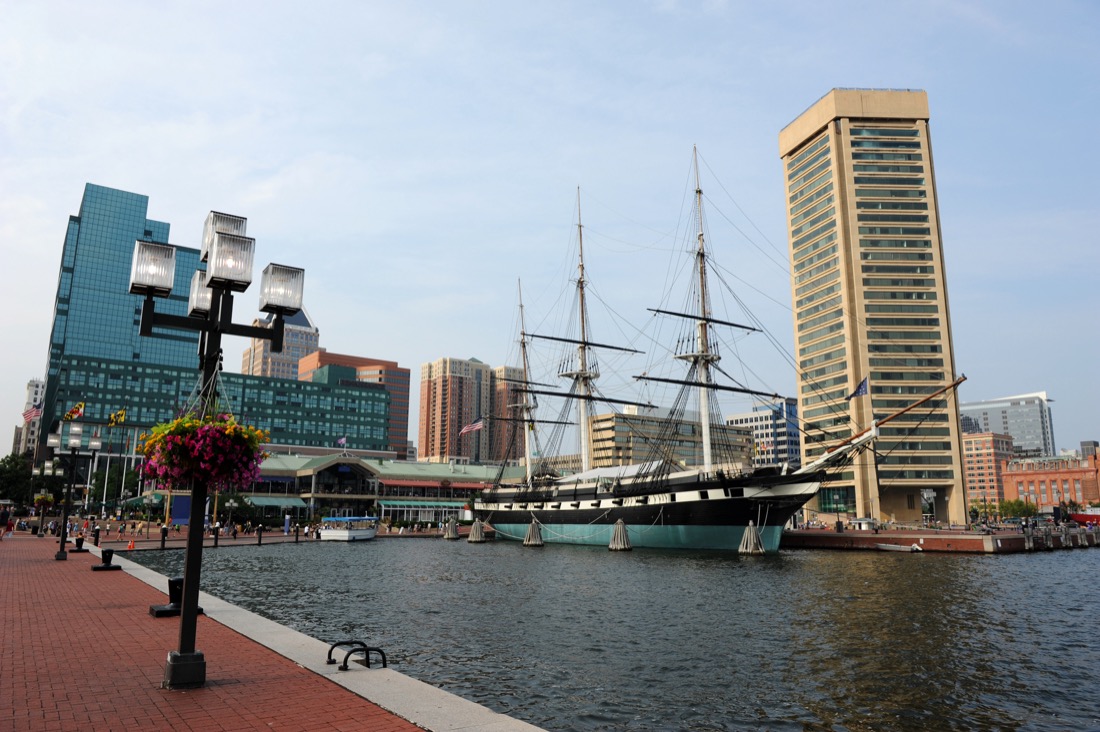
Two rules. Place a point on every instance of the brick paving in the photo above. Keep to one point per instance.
(80, 651)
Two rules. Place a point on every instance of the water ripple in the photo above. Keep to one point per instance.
(576, 638)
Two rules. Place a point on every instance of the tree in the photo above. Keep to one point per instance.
(15, 479)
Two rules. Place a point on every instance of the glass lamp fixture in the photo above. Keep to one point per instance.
(198, 303)
(95, 444)
(53, 440)
(47, 465)
(76, 429)
(281, 289)
(220, 223)
(74, 441)
(229, 262)
(153, 269)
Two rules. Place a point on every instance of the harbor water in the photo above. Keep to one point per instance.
(579, 638)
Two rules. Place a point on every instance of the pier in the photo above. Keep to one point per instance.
(952, 540)
(82, 651)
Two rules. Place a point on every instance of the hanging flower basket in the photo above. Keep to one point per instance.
(215, 450)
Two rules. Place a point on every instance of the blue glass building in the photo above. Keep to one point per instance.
(98, 356)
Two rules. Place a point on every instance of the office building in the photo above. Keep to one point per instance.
(300, 338)
(1049, 482)
(26, 434)
(869, 294)
(98, 357)
(984, 456)
(1026, 417)
(465, 412)
(775, 433)
(386, 375)
(639, 435)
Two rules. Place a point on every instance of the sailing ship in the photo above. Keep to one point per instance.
(722, 502)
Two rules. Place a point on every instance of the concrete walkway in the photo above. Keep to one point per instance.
(80, 651)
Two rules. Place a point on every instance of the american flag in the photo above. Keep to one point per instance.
(473, 426)
(343, 441)
(33, 413)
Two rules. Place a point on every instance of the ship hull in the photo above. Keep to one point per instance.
(695, 515)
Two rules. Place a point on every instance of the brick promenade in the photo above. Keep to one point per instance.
(80, 651)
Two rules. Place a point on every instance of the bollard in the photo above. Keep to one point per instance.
(259, 535)
(295, 533)
(175, 601)
(95, 535)
(216, 532)
(106, 556)
(79, 541)
(163, 535)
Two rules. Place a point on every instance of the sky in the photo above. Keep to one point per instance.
(421, 161)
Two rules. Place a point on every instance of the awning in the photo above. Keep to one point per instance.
(422, 504)
(288, 501)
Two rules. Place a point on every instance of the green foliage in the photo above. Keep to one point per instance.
(15, 479)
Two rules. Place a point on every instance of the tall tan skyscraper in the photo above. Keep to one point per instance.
(464, 411)
(870, 300)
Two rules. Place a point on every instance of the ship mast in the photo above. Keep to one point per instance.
(526, 407)
(702, 358)
(582, 377)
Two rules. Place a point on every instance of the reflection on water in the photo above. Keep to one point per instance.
(581, 638)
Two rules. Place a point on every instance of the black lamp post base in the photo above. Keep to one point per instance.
(61, 554)
(185, 671)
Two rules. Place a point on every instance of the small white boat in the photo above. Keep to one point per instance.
(349, 528)
(898, 548)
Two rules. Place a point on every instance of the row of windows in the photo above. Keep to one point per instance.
(823, 305)
(904, 348)
(824, 280)
(827, 226)
(887, 168)
(897, 282)
(863, 180)
(824, 318)
(896, 243)
(810, 249)
(910, 322)
(801, 302)
(808, 151)
(817, 208)
(823, 358)
(900, 308)
(893, 205)
(886, 144)
(891, 193)
(796, 169)
(809, 195)
(899, 295)
(823, 371)
(902, 157)
(827, 253)
(889, 218)
(825, 383)
(798, 230)
(809, 338)
(898, 362)
(896, 256)
(883, 132)
(897, 269)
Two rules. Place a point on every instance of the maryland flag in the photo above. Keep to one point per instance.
(75, 413)
(117, 418)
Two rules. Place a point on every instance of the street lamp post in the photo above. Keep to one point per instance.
(230, 504)
(228, 256)
(74, 443)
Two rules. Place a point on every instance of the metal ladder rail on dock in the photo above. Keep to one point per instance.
(357, 646)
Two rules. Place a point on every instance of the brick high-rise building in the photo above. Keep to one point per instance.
(456, 393)
(388, 375)
(870, 300)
